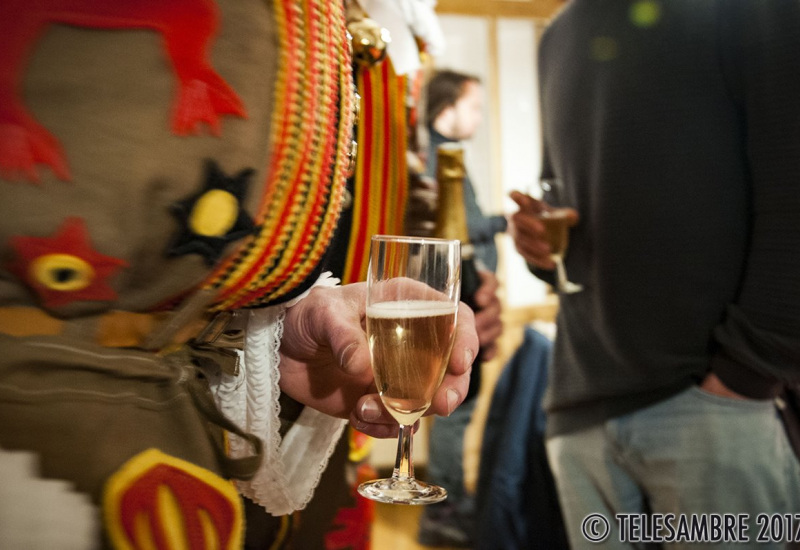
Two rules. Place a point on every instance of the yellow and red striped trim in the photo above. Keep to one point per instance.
(310, 134)
(381, 178)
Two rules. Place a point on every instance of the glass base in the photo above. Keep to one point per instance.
(402, 491)
(569, 287)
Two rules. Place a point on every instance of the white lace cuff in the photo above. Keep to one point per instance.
(291, 468)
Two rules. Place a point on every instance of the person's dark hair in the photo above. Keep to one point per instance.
(443, 90)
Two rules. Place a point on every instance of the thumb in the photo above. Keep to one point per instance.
(520, 198)
(572, 217)
(351, 350)
(527, 203)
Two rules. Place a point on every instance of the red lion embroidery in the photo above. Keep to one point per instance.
(186, 27)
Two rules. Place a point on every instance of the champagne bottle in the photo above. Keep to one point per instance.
(451, 223)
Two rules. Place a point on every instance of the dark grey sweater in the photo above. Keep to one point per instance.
(677, 131)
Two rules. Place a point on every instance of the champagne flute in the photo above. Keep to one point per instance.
(557, 221)
(412, 299)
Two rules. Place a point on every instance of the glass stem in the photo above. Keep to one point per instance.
(403, 468)
(561, 272)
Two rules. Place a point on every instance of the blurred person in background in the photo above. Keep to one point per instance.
(453, 113)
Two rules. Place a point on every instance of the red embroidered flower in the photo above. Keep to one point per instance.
(64, 268)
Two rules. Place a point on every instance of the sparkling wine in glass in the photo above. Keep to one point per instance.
(412, 300)
(557, 219)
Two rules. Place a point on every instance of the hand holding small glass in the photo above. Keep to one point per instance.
(544, 243)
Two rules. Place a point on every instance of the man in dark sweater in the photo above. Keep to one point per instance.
(675, 128)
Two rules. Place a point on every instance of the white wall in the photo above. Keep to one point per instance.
(467, 51)
(508, 70)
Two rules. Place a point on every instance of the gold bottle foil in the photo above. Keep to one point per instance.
(451, 217)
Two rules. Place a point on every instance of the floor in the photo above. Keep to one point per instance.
(395, 528)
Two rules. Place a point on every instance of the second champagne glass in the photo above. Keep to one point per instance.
(412, 302)
(557, 221)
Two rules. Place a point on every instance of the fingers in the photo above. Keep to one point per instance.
(528, 204)
(351, 349)
(328, 325)
(530, 243)
(528, 232)
(379, 431)
(466, 344)
(454, 386)
(488, 322)
(489, 325)
(341, 323)
(371, 417)
(450, 394)
(572, 217)
(490, 352)
(712, 384)
(487, 292)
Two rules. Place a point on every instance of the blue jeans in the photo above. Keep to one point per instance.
(694, 453)
(446, 453)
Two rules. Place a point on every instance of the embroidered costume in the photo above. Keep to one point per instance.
(167, 168)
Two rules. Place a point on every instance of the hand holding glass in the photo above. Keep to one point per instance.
(412, 300)
(557, 220)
